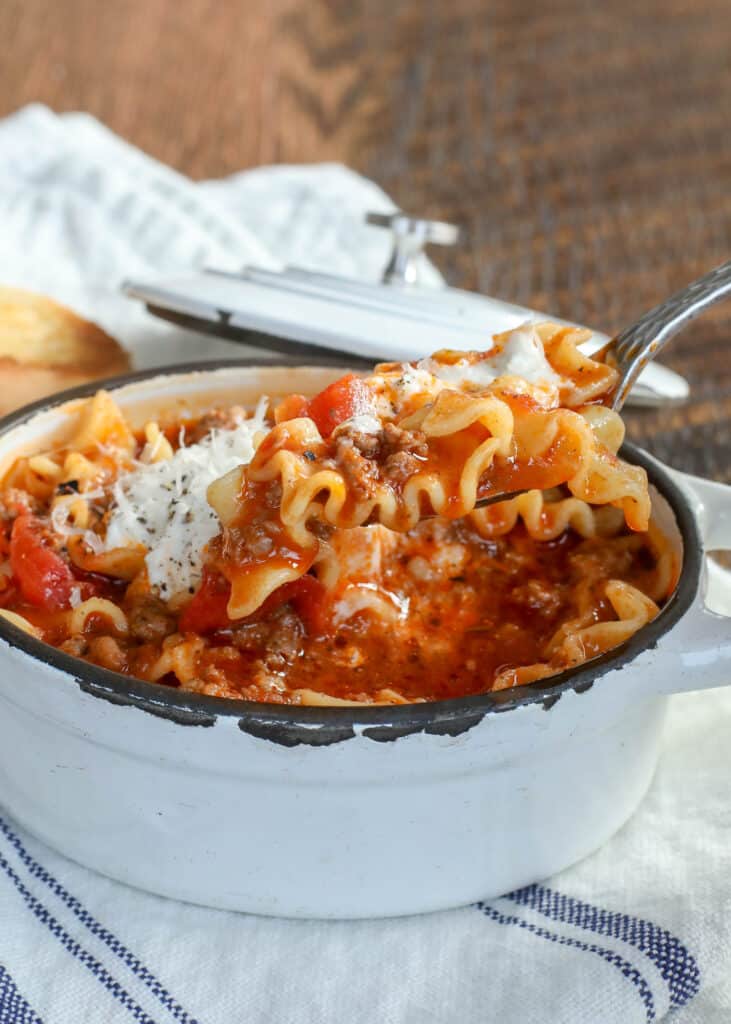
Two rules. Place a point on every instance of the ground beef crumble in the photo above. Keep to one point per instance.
(216, 419)
(393, 453)
(280, 636)
(149, 619)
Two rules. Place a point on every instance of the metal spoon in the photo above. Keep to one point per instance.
(634, 347)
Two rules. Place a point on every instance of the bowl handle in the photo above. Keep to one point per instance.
(697, 653)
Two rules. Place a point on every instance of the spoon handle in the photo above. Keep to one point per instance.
(635, 346)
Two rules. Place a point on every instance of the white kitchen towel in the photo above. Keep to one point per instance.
(639, 930)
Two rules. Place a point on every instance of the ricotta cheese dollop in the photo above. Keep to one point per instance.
(521, 355)
(163, 505)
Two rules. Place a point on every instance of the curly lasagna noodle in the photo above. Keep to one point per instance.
(328, 550)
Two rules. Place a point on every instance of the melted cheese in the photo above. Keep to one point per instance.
(363, 423)
(519, 360)
(521, 356)
(163, 505)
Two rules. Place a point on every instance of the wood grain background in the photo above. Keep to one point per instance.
(585, 147)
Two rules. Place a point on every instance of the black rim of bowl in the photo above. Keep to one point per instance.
(290, 724)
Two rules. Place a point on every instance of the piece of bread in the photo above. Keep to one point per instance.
(45, 347)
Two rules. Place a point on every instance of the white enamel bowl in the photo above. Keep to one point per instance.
(331, 812)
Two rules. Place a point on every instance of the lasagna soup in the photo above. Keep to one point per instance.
(330, 550)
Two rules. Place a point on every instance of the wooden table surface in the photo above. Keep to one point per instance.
(585, 147)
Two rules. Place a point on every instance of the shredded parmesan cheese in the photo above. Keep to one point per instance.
(62, 519)
(163, 505)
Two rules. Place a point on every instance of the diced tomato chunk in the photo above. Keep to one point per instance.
(304, 594)
(207, 611)
(43, 577)
(344, 398)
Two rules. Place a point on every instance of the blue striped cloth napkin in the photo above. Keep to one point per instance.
(638, 931)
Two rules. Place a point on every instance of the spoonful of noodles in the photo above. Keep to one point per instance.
(632, 349)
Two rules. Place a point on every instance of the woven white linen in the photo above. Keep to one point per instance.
(640, 929)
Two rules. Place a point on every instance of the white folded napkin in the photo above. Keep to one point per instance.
(641, 928)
